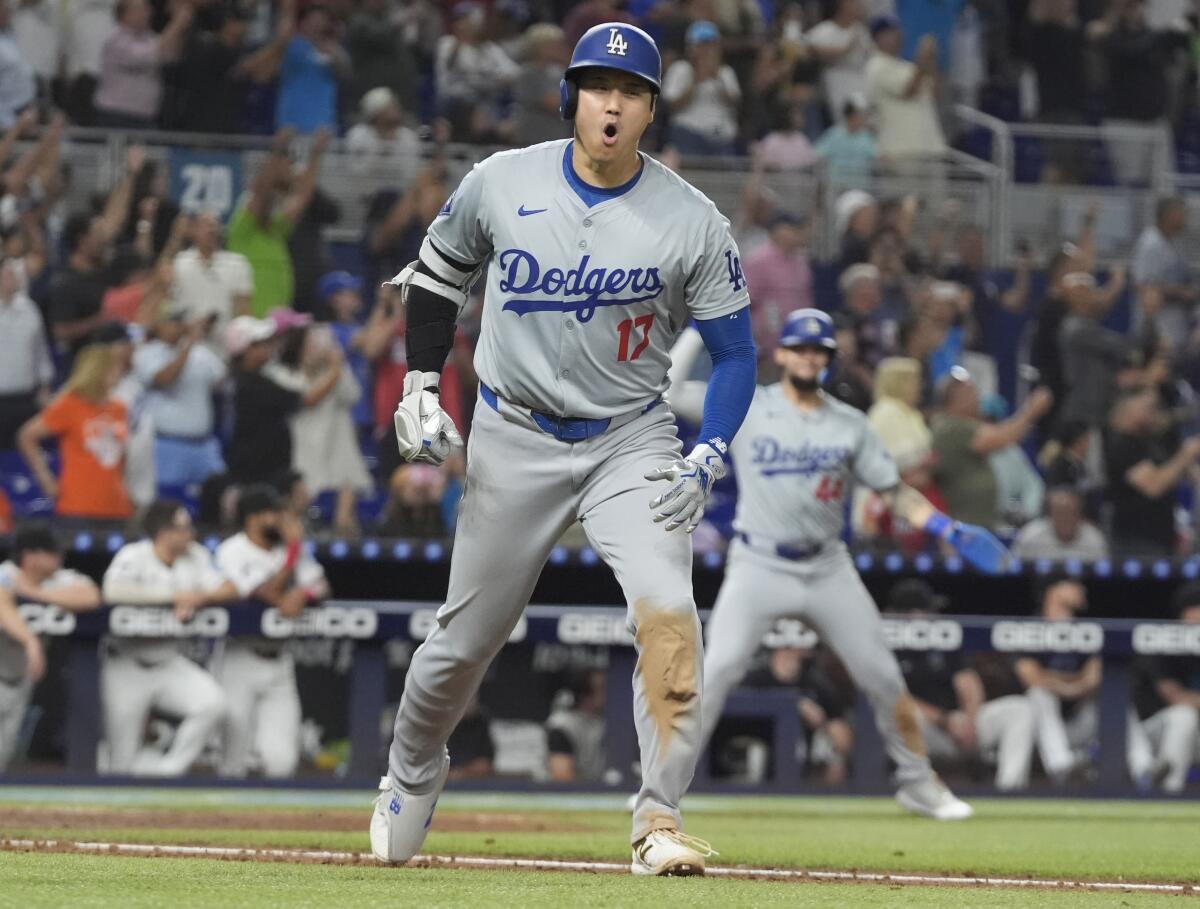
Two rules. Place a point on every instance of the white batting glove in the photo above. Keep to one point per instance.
(424, 432)
(691, 480)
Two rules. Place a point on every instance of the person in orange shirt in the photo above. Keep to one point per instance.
(92, 429)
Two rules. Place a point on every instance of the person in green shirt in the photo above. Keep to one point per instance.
(266, 216)
(962, 444)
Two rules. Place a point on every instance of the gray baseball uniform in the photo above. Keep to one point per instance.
(795, 472)
(581, 307)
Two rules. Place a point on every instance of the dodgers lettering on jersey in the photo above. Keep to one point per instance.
(796, 470)
(582, 304)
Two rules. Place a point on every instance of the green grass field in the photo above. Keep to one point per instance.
(1068, 840)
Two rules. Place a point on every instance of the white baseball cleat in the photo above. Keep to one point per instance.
(933, 799)
(401, 820)
(670, 853)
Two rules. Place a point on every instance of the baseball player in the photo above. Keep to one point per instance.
(798, 456)
(265, 561)
(168, 569)
(35, 574)
(596, 258)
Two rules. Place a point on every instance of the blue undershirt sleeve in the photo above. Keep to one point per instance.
(730, 343)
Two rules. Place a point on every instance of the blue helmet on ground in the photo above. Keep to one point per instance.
(611, 45)
(808, 326)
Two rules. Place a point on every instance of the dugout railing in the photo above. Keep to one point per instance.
(371, 625)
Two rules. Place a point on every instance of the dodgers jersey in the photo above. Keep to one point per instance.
(796, 469)
(582, 304)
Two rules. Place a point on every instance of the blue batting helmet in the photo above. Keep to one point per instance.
(808, 326)
(611, 45)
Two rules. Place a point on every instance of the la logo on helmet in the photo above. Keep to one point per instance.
(616, 44)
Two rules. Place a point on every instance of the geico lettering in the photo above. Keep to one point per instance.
(1166, 639)
(582, 628)
(922, 634)
(1052, 637)
(322, 622)
(159, 622)
(43, 619)
(790, 633)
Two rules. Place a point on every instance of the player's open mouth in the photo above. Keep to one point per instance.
(609, 135)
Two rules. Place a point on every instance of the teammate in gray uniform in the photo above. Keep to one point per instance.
(34, 575)
(798, 456)
(597, 257)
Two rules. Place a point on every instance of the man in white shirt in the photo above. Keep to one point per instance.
(1062, 533)
(381, 147)
(34, 574)
(170, 570)
(180, 375)
(703, 96)
(904, 95)
(843, 45)
(211, 282)
(266, 561)
(26, 367)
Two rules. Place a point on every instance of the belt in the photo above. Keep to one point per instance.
(187, 440)
(785, 550)
(570, 429)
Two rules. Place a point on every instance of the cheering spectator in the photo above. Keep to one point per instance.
(1064, 460)
(848, 147)
(843, 45)
(787, 148)
(77, 292)
(1062, 689)
(472, 75)
(34, 573)
(141, 481)
(130, 89)
(1054, 45)
(1019, 487)
(703, 96)
(1093, 357)
(894, 415)
(181, 375)
(1165, 739)
(575, 731)
(1145, 467)
(904, 95)
(265, 561)
(1063, 533)
(167, 569)
(312, 64)
(259, 229)
(988, 301)
(38, 33)
(340, 293)
(963, 444)
(856, 220)
(92, 430)
(396, 222)
(26, 369)
(537, 95)
(380, 53)
(325, 445)
(862, 295)
(381, 146)
(1160, 267)
(779, 278)
(18, 86)
(211, 284)
(958, 718)
(1137, 89)
(260, 449)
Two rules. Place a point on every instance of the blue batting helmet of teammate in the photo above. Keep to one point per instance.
(611, 45)
(808, 326)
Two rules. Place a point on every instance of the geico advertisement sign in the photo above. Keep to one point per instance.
(1047, 637)
(922, 634)
(322, 622)
(160, 622)
(585, 628)
(43, 619)
(1166, 639)
(423, 621)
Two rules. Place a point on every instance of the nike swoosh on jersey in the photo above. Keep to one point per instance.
(526, 212)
